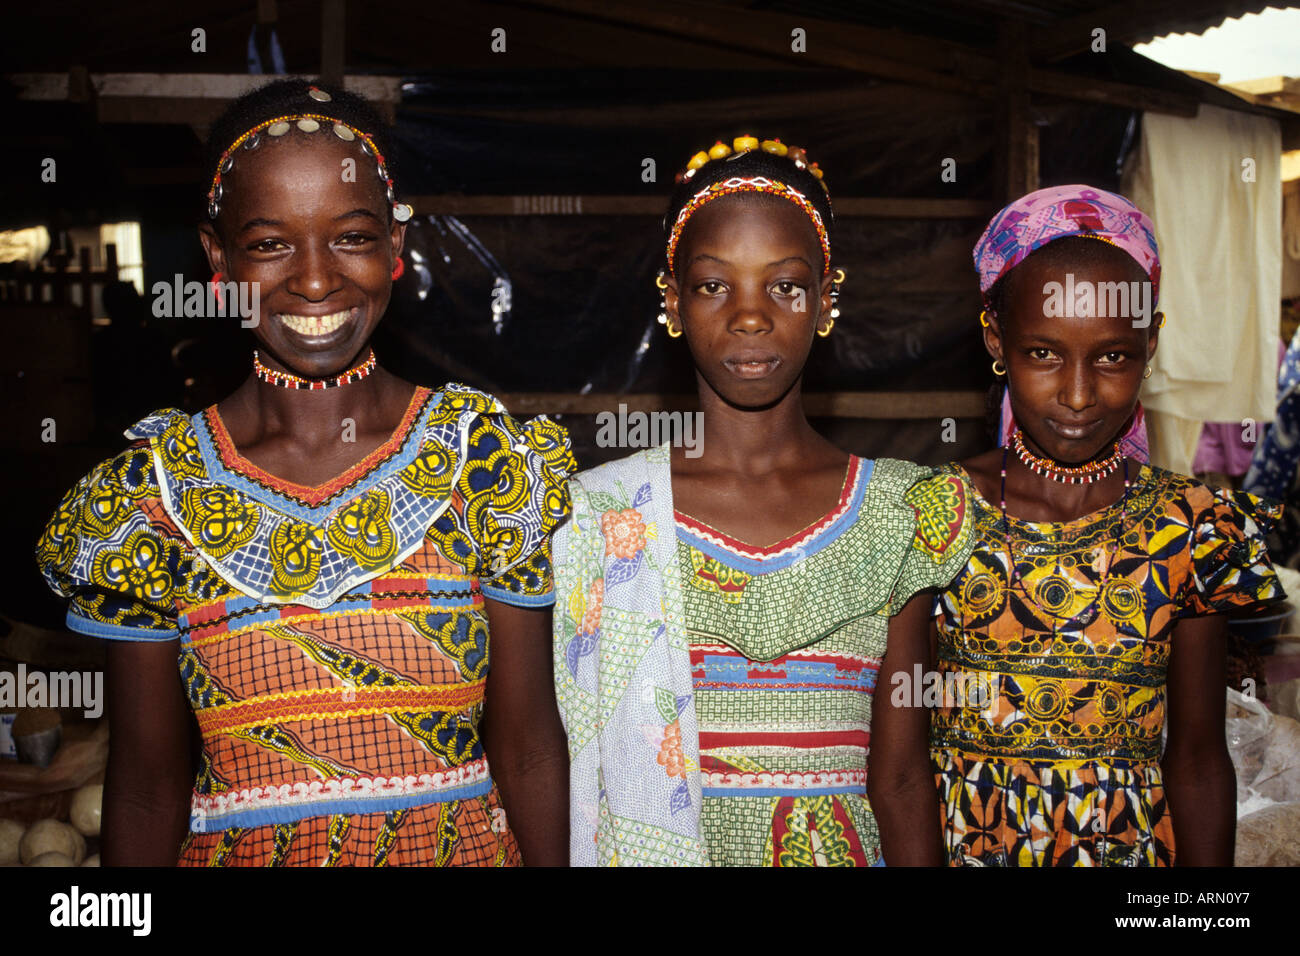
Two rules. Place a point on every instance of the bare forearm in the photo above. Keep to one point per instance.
(533, 780)
(900, 783)
(1200, 783)
(522, 734)
(1202, 794)
(143, 827)
(906, 812)
(149, 778)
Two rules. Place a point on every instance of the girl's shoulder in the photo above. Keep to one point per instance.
(932, 504)
(468, 419)
(1220, 532)
(111, 544)
(113, 488)
(655, 461)
(1185, 498)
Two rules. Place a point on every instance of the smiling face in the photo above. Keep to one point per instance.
(749, 294)
(1074, 380)
(321, 249)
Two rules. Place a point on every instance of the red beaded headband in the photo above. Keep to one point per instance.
(741, 184)
(307, 123)
(750, 184)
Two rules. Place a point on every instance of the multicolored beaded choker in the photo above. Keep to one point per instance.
(1084, 474)
(289, 380)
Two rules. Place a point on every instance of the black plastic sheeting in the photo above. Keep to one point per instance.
(566, 303)
(579, 289)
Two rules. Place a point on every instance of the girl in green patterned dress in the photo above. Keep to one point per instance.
(725, 622)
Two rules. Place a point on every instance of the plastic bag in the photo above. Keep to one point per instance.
(1265, 751)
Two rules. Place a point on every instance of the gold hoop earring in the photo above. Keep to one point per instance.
(837, 279)
(1147, 373)
(662, 284)
(998, 368)
(984, 317)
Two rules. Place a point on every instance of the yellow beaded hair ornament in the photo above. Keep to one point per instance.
(743, 184)
(307, 123)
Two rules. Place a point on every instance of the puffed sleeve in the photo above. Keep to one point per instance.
(1231, 569)
(515, 490)
(101, 551)
(943, 534)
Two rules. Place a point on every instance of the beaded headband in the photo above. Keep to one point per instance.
(750, 184)
(306, 123)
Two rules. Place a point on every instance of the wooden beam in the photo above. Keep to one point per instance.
(182, 97)
(920, 208)
(537, 38)
(1267, 84)
(850, 207)
(1091, 90)
(878, 405)
(768, 34)
(894, 47)
(221, 86)
(887, 54)
(895, 405)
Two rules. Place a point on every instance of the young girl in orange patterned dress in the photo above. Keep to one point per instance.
(321, 556)
(1092, 609)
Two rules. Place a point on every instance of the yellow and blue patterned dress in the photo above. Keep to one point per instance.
(1048, 743)
(332, 641)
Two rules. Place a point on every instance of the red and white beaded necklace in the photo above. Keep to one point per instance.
(289, 380)
(1084, 474)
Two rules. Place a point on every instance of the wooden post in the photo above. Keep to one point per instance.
(1017, 136)
(60, 289)
(333, 41)
(86, 277)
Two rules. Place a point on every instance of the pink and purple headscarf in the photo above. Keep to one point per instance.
(1058, 212)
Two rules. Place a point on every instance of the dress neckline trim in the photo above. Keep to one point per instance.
(812, 538)
(229, 458)
(1144, 474)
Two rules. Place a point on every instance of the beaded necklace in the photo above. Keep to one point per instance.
(289, 380)
(1084, 474)
(1011, 557)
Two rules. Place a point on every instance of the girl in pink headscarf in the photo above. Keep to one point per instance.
(1091, 611)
